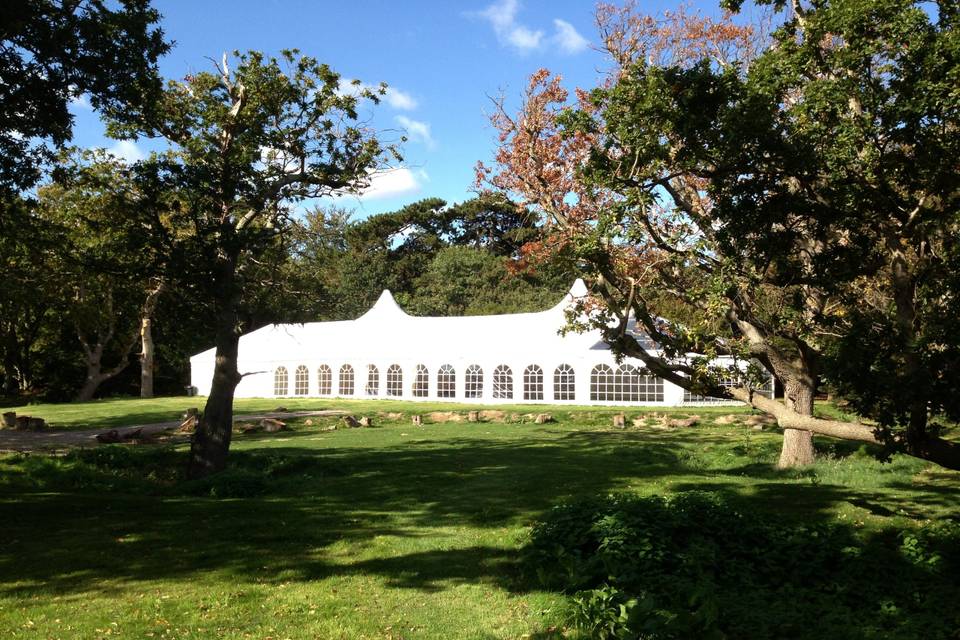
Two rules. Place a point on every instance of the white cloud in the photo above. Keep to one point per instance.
(567, 37)
(396, 98)
(400, 99)
(502, 16)
(417, 131)
(127, 150)
(390, 183)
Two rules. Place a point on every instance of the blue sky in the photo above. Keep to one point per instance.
(442, 60)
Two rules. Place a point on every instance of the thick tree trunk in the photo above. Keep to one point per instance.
(211, 438)
(797, 450)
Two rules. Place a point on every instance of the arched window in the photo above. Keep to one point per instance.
(421, 382)
(473, 382)
(650, 387)
(564, 383)
(324, 380)
(601, 383)
(503, 382)
(280, 381)
(394, 380)
(301, 381)
(346, 380)
(446, 382)
(533, 383)
(373, 380)
(627, 384)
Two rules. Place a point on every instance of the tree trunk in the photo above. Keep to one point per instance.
(147, 351)
(146, 357)
(797, 448)
(211, 439)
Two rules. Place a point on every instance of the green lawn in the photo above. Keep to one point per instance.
(389, 532)
(118, 412)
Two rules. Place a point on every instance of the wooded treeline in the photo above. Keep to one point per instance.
(82, 281)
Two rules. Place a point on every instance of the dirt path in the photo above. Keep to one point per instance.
(11, 440)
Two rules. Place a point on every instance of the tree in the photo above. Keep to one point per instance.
(741, 186)
(250, 143)
(104, 268)
(55, 51)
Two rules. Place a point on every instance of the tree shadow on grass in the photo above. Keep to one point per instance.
(66, 542)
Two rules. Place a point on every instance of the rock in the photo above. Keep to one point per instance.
(417, 420)
(10, 419)
(391, 415)
(515, 417)
(445, 416)
(761, 419)
(23, 423)
(619, 420)
(758, 427)
(639, 422)
(543, 418)
(133, 435)
(308, 422)
(281, 410)
(246, 427)
(730, 418)
(473, 416)
(272, 426)
(493, 415)
(351, 422)
(366, 422)
(37, 424)
(683, 422)
(332, 427)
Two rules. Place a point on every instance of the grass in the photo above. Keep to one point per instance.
(118, 412)
(389, 532)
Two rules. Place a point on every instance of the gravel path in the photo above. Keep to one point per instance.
(11, 440)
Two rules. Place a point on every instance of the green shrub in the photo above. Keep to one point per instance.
(694, 566)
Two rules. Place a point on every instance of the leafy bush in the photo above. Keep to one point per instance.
(694, 566)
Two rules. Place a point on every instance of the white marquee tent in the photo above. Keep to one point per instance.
(385, 353)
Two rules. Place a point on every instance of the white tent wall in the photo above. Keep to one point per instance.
(386, 336)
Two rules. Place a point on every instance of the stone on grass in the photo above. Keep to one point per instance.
(351, 422)
(417, 420)
(308, 422)
(10, 419)
(543, 418)
(445, 416)
(473, 416)
(493, 415)
(619, 420)
(37, 424)
(23, 423)
(730, 418)
(366, 422)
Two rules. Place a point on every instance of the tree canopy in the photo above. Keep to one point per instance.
(55, 51)
(762, 186)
